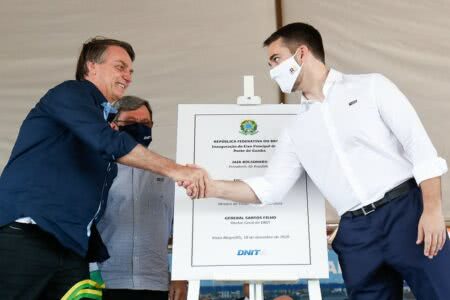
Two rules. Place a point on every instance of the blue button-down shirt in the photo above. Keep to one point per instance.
(136, 228)
(62, 164)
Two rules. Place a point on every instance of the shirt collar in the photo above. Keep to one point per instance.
(332, 77)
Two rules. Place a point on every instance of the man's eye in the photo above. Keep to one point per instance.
(120, 67)
(276, 59)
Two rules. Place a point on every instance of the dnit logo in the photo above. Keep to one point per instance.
(242, 252)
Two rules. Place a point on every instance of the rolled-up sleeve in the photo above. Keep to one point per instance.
(402, 119)
(283, 171)
(75, 108)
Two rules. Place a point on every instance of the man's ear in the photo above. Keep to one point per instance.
(92, 68)
(302, 50)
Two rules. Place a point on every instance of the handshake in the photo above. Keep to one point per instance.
(199, 185)
(196, 181)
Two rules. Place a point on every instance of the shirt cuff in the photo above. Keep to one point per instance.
(261, 188)
(429, 169)
(120, 145)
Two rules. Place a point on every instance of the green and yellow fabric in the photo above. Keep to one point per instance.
(87, 289)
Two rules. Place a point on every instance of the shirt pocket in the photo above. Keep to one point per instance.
(161, 199)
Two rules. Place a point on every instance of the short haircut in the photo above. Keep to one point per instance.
(128, 103)
(93, 51)
(296, 34)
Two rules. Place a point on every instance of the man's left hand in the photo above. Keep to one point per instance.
(431, 231)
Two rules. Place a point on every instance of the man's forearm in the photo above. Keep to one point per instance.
(431, 194)
(237, 191)
(431, 228)
(142, 158)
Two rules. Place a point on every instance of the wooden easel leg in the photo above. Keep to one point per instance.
(251, 291)
(193, 290)
(314, 289)
(256, 291)
(259, 291)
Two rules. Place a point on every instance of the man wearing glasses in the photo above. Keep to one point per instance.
(137, 222)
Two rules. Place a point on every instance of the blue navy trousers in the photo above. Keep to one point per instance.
(378, 251)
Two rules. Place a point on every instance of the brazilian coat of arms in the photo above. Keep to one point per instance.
(249, 127)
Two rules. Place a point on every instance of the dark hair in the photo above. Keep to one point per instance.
(93, 51)
(128, 103)
(296, 34)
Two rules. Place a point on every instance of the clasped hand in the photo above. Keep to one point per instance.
(195, 180)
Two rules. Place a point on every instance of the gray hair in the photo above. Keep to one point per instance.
(128, 103)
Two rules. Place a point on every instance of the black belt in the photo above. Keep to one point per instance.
(391, 195)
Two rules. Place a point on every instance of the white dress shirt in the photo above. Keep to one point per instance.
(362, 140)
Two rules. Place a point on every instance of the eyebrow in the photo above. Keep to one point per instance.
(125, 64)
(273, 56)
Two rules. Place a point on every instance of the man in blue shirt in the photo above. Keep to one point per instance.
(54, 188)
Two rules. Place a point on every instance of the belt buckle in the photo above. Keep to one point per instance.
(371, 210)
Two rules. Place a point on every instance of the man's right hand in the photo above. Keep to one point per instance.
(193, 177)
(235, 190)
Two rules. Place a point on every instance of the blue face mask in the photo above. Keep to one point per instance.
(140, 132)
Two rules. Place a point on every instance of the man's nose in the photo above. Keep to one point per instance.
(127, 75)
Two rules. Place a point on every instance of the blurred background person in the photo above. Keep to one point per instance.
(138, 219)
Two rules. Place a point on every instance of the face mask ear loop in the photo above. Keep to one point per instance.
(296, 51)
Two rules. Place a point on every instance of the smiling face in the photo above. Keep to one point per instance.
(112, 75)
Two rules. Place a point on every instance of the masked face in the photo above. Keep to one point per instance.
(140, 132)
(286, 73)
(137, 123)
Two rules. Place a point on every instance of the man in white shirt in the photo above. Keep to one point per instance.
(363, 145)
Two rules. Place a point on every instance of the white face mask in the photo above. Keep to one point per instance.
(286, 73)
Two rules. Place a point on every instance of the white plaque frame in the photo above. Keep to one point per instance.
(186, 239)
